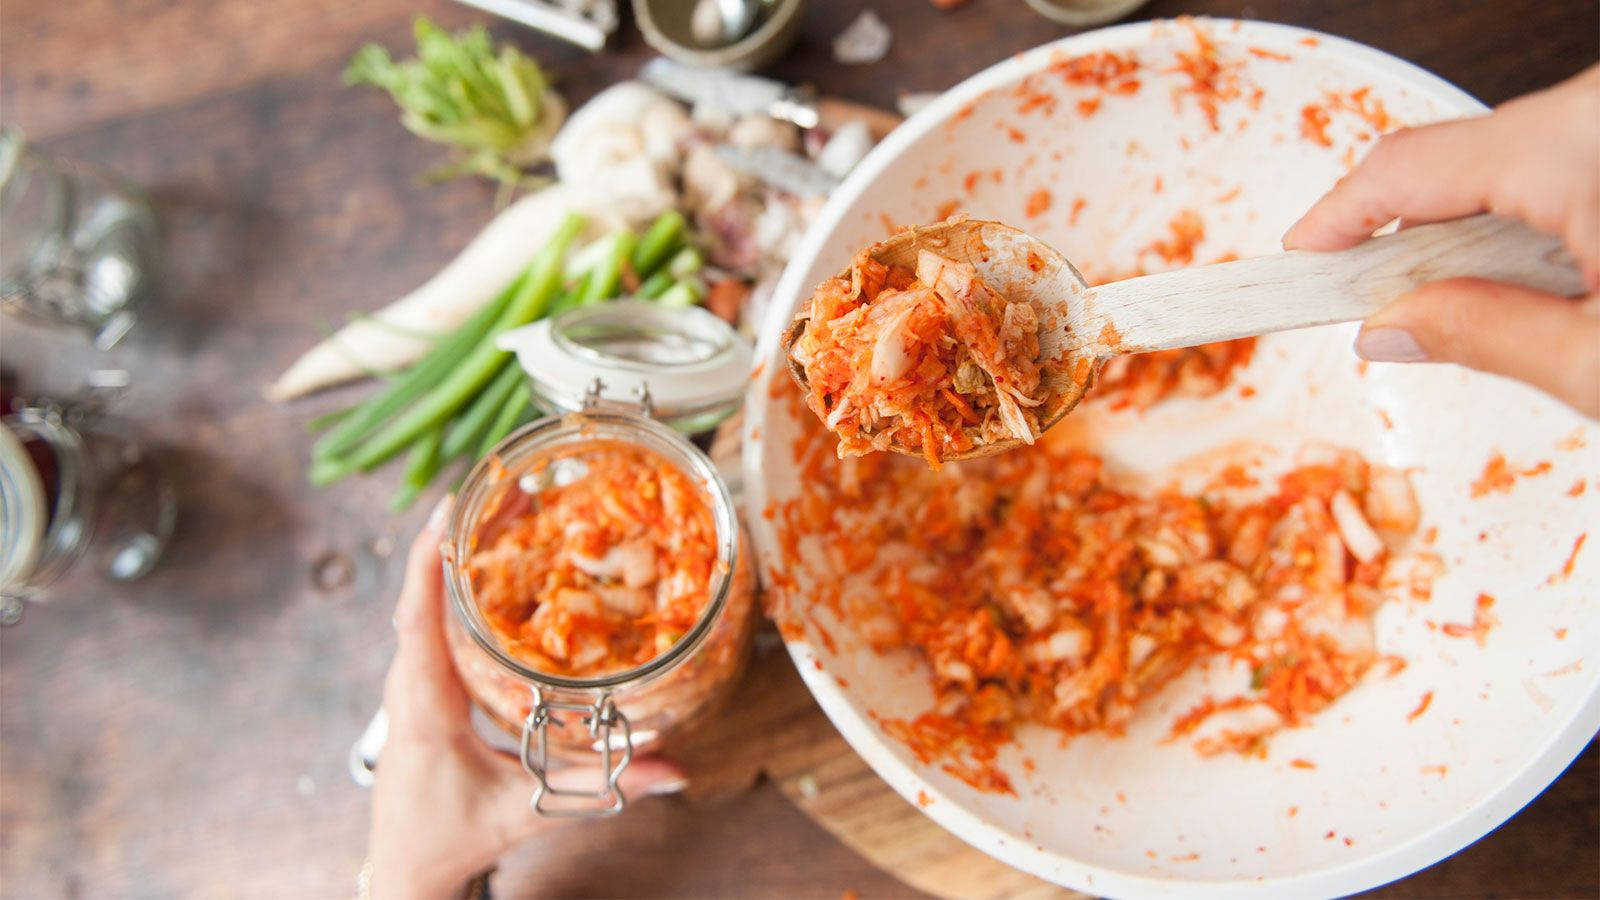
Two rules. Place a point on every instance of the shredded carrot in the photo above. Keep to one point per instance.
(1264, 53)
(947, 209)
(1577, 489)
(1302, 764)
(1212, 80)
(1572, 560)
(1422, 707)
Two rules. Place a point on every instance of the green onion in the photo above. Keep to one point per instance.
(329, 419)
(428, 372)
(468, 430)
(654, 286)
(606, 277)
(663, 237)
(684, 293)
(516, 410)
(421, 466)
(685, 263)
(532, 298)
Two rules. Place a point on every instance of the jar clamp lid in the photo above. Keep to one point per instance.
(690, 364)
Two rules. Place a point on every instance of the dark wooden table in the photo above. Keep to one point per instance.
(186, 736)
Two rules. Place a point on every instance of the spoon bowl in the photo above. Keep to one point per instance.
(1081, 327)
(1017, 266)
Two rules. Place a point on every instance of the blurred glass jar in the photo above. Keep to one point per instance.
(80, 243)
(672, 371)
(78, 494)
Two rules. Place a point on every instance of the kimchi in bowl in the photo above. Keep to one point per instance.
(1189, 143)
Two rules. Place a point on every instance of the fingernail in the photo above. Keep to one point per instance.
(1389, 345)
(441, 512)
(663, 788)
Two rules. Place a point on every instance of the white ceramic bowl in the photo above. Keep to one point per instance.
(1134, 815)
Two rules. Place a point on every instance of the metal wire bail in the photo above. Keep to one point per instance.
(599, 718)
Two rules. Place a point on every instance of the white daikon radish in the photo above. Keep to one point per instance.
(396, 335)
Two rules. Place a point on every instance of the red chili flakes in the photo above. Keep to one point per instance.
(1572, 560)
(1497, 476)
(1482, 621)
(1077, 207)
(1038, 203)
(973, 747)
(1328, 837)
(1577, 489)
(1349, 841)
(1422, 707)
(1264, 53)
(1186, 231)
(1211, 80)
(947, 209)
(1314, 122)
(1302, 764)
(1102, 69)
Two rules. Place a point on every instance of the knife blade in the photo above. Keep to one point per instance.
(740, 95)
(781, 169)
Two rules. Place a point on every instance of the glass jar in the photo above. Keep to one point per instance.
(77, 491)
(80, 243)
(699, 366)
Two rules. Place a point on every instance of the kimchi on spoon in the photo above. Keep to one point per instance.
(967, 338)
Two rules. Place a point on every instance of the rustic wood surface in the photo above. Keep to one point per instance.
(186, 736)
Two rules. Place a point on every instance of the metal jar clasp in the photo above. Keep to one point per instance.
(599, 718)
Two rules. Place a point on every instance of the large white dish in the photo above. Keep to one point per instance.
(1135, 816)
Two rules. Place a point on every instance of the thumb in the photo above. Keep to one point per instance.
(1547, 341)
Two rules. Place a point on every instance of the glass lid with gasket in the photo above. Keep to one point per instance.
(690, 365)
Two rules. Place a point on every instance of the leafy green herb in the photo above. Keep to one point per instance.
(496, 109)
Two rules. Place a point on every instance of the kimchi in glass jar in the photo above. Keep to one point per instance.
(600, 594)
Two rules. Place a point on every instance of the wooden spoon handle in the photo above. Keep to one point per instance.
(1299, 289)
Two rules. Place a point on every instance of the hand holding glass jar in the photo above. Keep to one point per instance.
(445, 804)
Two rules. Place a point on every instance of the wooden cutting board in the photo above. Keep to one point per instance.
(771, 727)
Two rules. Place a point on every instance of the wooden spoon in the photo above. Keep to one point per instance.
(1082, 326)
